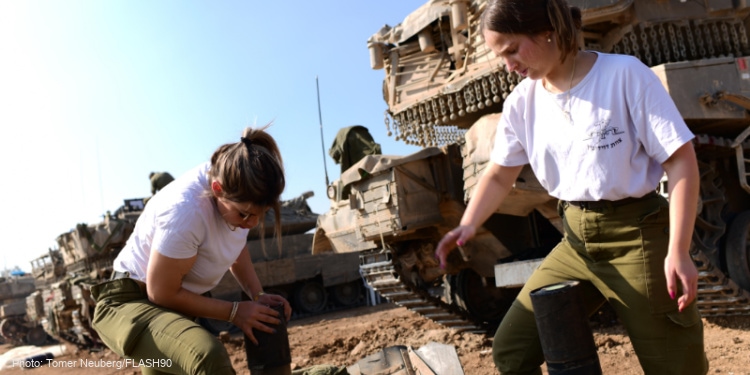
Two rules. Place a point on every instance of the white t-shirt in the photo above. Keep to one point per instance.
(624, 125)
(181, 221)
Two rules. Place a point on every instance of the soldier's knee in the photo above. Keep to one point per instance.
(213, 359)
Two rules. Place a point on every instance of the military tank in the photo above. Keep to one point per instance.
(13, 326)
(444, 92)
(59, 303)
(313, 284)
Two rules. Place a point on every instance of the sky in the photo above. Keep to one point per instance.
(94, 95)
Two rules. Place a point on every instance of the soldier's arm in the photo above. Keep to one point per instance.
(244, 272)
(682, 173)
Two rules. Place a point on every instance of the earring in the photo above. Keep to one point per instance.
(549, 40)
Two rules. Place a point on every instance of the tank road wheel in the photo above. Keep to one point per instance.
(738, 250)
(347, 294)
(36, 336)
(311, 297)
(483, 302)
(9, 330)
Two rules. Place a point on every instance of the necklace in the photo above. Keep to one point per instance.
(565, 108)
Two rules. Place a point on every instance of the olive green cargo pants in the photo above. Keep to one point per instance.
(164, 341)
(618, 252)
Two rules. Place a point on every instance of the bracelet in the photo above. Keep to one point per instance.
(235, 305)
(259, 294)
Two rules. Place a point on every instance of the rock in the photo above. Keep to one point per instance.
(358, 349)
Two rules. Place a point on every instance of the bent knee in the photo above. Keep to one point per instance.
(213, 358)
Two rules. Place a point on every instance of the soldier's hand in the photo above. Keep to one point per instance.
(681, 274)
(253, 315)
(275, 300)
(456, 237)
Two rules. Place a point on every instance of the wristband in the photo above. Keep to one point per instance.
(235, 305)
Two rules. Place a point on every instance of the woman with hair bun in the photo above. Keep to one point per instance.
(185, 240)
(599, 131)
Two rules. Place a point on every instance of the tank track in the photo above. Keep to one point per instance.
(380, 273)
(718, 295)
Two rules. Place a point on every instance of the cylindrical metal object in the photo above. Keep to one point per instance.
(272, 355)
(376, 55)
(459, 20)
(564, 330)
(425, 41)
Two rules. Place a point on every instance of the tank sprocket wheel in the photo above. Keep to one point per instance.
(311, 297)
(483, 302)
(738, 250)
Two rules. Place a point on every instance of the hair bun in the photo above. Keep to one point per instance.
(575, 12)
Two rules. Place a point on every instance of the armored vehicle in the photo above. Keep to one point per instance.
(444, 92)
(313, 284)
(61, 302)
(13, 325)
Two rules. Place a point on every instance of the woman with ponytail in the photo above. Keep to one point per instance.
(599, 131)
(185, 240)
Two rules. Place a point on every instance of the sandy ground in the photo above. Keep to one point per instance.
(342, 338)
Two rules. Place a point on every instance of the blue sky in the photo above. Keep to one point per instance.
(94, 95)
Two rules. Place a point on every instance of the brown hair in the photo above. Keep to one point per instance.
(532, 17)
(252, 171)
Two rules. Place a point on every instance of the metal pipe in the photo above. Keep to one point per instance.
(564, 330)
(272, 355)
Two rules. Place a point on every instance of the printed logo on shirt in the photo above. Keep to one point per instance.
(606, 137)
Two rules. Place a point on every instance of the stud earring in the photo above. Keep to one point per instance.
(549, 40)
